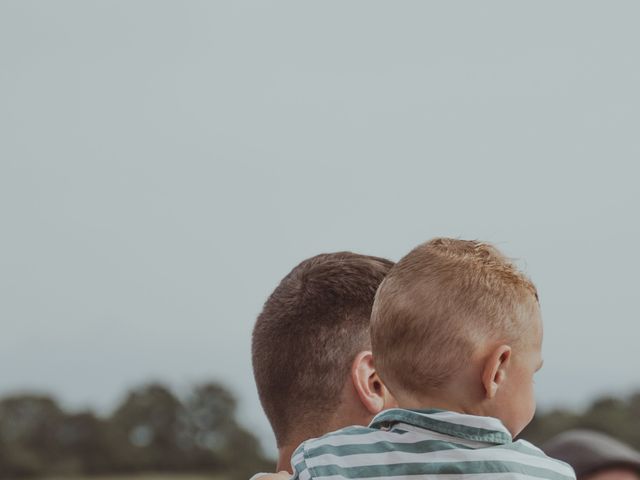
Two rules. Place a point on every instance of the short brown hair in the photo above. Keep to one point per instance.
(437, 304)
(308, 333)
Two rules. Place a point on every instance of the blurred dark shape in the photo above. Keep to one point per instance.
(152, 430)
(590, 452)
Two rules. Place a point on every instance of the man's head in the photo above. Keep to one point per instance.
(456, 324)
(595, 455)
(310, 347)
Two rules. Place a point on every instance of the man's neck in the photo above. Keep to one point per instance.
(294, 440)
(284, 458)
(349, 412)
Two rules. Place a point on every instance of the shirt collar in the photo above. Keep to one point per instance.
(470, 427)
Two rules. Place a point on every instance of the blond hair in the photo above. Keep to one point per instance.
(438, 303)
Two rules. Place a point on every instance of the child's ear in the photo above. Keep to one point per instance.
(495, 370)
(373, 394)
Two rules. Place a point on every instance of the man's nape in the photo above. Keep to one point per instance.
(363, 396)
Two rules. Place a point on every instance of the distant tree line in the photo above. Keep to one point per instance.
(618, 417)
(152, 430)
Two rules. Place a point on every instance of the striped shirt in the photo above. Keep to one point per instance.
(425, 444)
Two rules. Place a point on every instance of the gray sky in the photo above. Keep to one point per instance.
(164, 164)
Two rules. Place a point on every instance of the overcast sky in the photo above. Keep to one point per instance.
(164, 164)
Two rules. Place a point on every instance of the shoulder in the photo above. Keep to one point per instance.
(532, 457)
(348, 435)
(311, 452)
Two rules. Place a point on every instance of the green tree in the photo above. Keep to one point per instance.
(143, 430)
(28, 428)
(213, 436)
(151, 430)
(83, 441)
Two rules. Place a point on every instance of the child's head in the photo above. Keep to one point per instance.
(456, 325)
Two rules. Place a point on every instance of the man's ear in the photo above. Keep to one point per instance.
(373, 394)
(495, 368)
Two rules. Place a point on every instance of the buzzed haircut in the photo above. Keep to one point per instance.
(307, 336)
(440, 302)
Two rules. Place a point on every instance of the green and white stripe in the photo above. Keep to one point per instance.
(429, 444)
